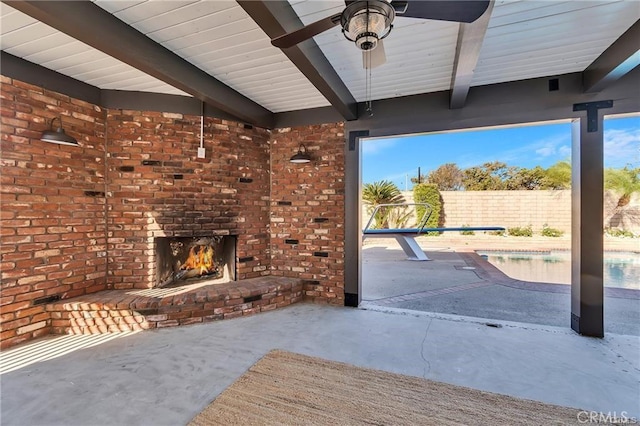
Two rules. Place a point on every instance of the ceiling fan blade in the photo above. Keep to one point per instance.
(374, 58)
(400, 6)
(306, 32)
(446, 10)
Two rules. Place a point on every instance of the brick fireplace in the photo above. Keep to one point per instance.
(83, 223)
(186, 260)
(158, 188)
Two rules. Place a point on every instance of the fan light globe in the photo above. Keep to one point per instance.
(367, 32)
(365, 23)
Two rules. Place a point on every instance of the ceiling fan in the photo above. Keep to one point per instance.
(368, 22)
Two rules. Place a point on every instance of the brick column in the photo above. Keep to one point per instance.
(307, 210)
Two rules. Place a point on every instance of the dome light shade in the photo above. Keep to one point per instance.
(301, 156)
(58, 136)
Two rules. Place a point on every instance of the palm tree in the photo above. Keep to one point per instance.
(381, 192)
(624, 182)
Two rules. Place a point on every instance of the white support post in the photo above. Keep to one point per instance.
(411, 248)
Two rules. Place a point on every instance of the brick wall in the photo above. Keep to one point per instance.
(52, 206)
(158, 187)
(307, 210)
(77, 220)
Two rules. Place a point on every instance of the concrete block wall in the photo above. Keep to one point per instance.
(503, 208)
(508, 209)
(524, 208)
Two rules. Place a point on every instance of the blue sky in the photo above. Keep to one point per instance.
(526, 146)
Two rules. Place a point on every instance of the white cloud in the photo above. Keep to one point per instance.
(377, 146)
(622, 147)
(565, 151)
(553, 146)
(547, 151)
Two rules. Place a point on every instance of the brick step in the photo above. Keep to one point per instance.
(134, 310)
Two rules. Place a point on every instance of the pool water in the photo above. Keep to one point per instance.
(620, 269)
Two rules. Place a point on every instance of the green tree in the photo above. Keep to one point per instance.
(499, 176)
(381, 192)
(447, 177)
(488, 177)
(527, 179)
(428, 193)
(558, 176)
(624, 182)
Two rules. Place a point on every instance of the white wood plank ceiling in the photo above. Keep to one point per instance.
(525, 39)
(530, 39)
(221, 39)
(420, 53)
(27, 38)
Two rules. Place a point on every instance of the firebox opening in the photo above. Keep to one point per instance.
(186, 260)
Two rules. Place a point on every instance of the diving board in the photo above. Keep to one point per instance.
(406, 236)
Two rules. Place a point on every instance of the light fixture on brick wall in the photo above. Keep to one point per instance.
(58, 136)
(301, 156)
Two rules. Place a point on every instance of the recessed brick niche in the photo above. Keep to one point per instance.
(80, 224)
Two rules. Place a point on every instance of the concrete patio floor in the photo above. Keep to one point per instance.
(166, 376)
(455, 283)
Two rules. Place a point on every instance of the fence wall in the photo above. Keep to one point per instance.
(508, 208)
(522, 208)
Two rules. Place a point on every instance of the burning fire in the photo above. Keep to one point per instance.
(199, 262)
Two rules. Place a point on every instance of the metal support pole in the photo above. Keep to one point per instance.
(353, 219)
(587, 188)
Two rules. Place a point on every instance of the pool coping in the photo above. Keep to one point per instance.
(488, 272)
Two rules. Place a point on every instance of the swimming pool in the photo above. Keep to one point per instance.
(621, 269)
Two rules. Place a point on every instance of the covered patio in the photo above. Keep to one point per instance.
(167, 376)
(174, 127)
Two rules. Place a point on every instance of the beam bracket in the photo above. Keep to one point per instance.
(592, 112)
(356, 134)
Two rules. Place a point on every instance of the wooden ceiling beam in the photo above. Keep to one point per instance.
(470, 39)
(277, 18)
(619, 58)
(92, 25)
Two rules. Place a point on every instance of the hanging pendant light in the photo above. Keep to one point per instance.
(58, 136)
(301, 156)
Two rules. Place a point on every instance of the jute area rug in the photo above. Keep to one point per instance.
(284, 388)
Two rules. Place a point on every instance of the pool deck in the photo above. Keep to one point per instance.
(459, 282)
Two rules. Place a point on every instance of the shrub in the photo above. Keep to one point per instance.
(525, 231)
(466, 232)
(551, 232)
(500, 233)
(615, 232)
(428, 193)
